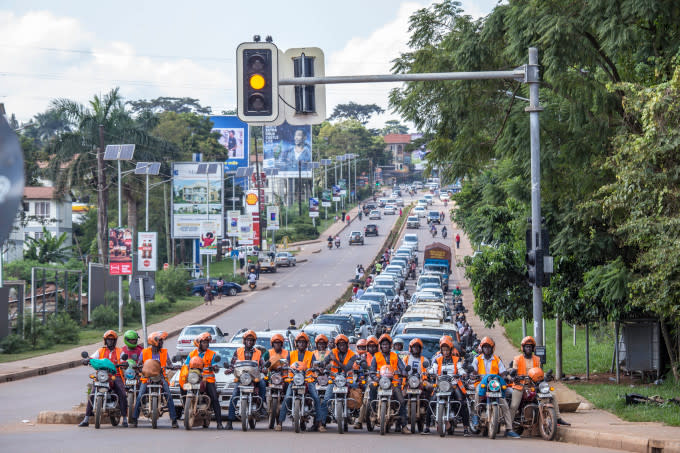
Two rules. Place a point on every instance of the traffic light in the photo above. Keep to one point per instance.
(534, 260)
(257, 82)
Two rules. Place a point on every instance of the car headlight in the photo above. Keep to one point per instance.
(129, 373)
(340, 381)
(103, 376)
(494, 385)
(277, 379)
(444, 386)
(413, 382)
(193, 378)
(246, 379)
(298, 379)
(543, 387)
(385, 383)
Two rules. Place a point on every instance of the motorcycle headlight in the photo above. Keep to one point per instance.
(322, 380)
(543, 387)
(277, 379)
(129, 373)
(494, 385)
(413, 382)
(103, 376)
(298, 379)
(193, 378)
(340, 381)
(385, 383)
(246, 379)
(444, 386)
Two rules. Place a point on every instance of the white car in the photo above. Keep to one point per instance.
(185, 340)
(420, 211)
(411, 239)
(374, 215)
(429, 198)
(422, 202)
(413, 221)
(390, 210)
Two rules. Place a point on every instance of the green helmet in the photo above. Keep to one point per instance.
(130, 335)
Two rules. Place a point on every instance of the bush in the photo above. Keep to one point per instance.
(62, 329)
(35, 332)
(161, 305)
(132, 312)
(13, 344)
(104, 317)
(172, 283)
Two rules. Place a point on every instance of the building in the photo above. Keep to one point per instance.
(396, 145)
(42, 207)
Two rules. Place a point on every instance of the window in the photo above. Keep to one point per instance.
(42, 209)
(38, 235)
(26, 206)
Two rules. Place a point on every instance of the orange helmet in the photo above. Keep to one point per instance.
(384, 337)
(372, 339)
(362, 342)
(416, 341)
(322, 338)
(276, 337)
(340, 338)
(196, 362)
(205, 336)
(536, 374)
(110, 334)
(155, 337)
(302, 336)
(489, 341)
(251, 334)
(528, 340)
(446, 340)
(387, 371)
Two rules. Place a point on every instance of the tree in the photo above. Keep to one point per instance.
(191, 133)
(394, 127)
(169, 104)
(47, 249)
(352, 110)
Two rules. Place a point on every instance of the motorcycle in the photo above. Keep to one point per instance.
(488, 409)
(303, 405)
(252, 286)
(247, 374)
(444, 234)
(275, 393)
(365, 414)
(131, 379)
(386, 408)
(330, 245)
(154, 402)
(416, 405)
(340, 413)
(337, 243)
(537, 409)
(197, 405)
(104, 400)
(445, 407)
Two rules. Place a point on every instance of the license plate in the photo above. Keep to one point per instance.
(384, 392)
(339, 390)
(321, 387)
(130, 382)
(545, 395)
(189, 386)
(413, 391)
(493, 394)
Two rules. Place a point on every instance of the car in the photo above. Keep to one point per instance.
(285, 259)
(413, 221)
(390, 210)
(313, 330)
(399, 202)
(197, 287)
(371, 230)
(387, 291)
(264, 338)
(382, 202)
(444, 196)
(422, 202)
(430, 342)
(374, 215)
(433, 217)
(344, 322)
(185, 340)
(428, 278)
(375, 297)
(355, 237)
(267, 261)
(420, 211)
(411, 239)
(429, 198)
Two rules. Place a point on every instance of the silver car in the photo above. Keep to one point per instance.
(285, 259)
(185, 340)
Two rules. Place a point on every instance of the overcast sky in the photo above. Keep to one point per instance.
(149, 48)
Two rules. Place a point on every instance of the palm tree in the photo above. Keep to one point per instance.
(47, 249)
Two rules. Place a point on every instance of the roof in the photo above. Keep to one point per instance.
(40, 193)
(391, 139)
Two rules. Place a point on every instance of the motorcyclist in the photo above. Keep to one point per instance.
(337, 240)
(444, 232)
(371, 348)
(330, 240)
(416, 360)
(388, 357)
(487, 364)
(301, 354)
(446, 357)
(209, 360)
(113, 353)
(360, 215)
(132, 346)
(155, 351)
(321, 342)
(398, 345)
(521, 365)
(457, 292)
(252, 277)
(340, 358)
(276, 353)
(246, 352)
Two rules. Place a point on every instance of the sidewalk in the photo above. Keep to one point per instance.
(589, 426)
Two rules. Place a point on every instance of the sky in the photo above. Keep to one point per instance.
(77, 49)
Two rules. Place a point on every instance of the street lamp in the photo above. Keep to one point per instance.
(147, 168)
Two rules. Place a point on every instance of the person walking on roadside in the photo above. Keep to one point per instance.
(347, 218)
(220, 287)
(208, 296)
(457, 240)
(342, 218)
(364, 331)
(241, 259)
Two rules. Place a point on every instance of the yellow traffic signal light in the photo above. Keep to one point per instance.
(257, 85)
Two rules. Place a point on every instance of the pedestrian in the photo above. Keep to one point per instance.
(360, 292)
(257, 270)
(336, 217)
(208, 297)
(292, 325)
(343, 216)
(400, 212)
(355, 288)
(364, 332)
(241, 259)
(347, 219)
(220, 287)
(457, 240)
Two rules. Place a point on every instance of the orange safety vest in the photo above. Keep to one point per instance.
(147, 354)
(454, 359)
(520, 363)
(208, 374)
(241, 354)
(380, 361)
(306, 359)
(275, 357)
(348, 357)
(481, 370)
(105, 353)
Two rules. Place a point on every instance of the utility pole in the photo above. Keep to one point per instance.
(102, 201)
(300, 188)
(257, 184)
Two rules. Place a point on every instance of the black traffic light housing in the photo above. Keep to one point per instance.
(257, 82)
(534, 259)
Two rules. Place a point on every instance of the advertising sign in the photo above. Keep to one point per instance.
(336, 193)
(195, 198)
(251, 199)
(326, 198)
(120, 251)
(256, 229)
(313, 207)
(234, 137)
(272, 218)
(286, 145)
(208, 240)
(245, 229)
(232, 222)
(146, 251)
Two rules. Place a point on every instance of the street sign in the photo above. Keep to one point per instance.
(149, 288)
(11, 178)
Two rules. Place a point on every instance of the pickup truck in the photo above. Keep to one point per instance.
(267, 261)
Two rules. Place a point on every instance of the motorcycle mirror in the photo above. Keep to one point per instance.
(267, 364)
(134, 357)
(408, 368)
(84, 355)
(225, 364)
(283, 361)
(175, 358)
(445, 372)
(123, 356)
(217, 358)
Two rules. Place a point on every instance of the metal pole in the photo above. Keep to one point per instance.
(558, 347)
(300, 188)
(356, 194)
(587, 351)
(534, 108)
(143, 304)
(233, 193)
(616, 351)
(120, 277)
(33, 295)
(257, 183)
(147, 204)
(517, 74)
(574, 329)
(524, 327)
(335, 181)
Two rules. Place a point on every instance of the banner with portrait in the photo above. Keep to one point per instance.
(120, 251)
(326, 198)
(285, 146)
(313, 207)
(234, 137)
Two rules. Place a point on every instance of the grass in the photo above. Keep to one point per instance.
(611, 397)
(90, 335)
(573, 357)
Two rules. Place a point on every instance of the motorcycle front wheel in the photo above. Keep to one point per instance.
(131, 406)
(154, 412)
(188, 413)
(339, 416)
(245, 410)
(413, 408)
(296, 414)
(548, 421)
(383, 418)
(441, 425)
(273, 412)
(493, 421)
(98, 409)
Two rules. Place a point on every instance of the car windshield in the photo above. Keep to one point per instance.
(263, 341)
(435, 268)
(378, 297)
(389, 292)
(345, 324)
(413, 219)
(197, 330)
(433, 279)
(430, 345)
(410, 238)
(282, 254)
(226, 353)
(431, 331)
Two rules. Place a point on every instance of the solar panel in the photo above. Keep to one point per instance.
(213, 169)
(202, 169)
(111, 152)
(243, 172)
(155, 168)
(147, 168)
(340, 158)
(126, 152)
(326, 161)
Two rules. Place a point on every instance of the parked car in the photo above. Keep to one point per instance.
(197, 287)
(355, 237)
(413, 221)
(285, 259)
(374, 215)
(185, 340)
(371, 230)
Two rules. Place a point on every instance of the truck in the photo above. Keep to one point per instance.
(267, 261)
(438, 259)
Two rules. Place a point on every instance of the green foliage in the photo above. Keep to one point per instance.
(172, 283)
(169, 104)
(161, 305)
(104, 317)
(47, 249)
(13, 344)
(20, 269)
(352, 110)
(62, 329)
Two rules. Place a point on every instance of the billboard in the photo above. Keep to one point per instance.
(120, 251)
(234, 137)
(209, 234)
(195, 198)
(232, 222)
(336, 193)
(146, 251)
(326, 198)
(272, 217)
(286, 145)
(245, 229)
(313, 207)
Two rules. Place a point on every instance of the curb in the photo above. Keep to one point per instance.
(77, 363)
(615, 441)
